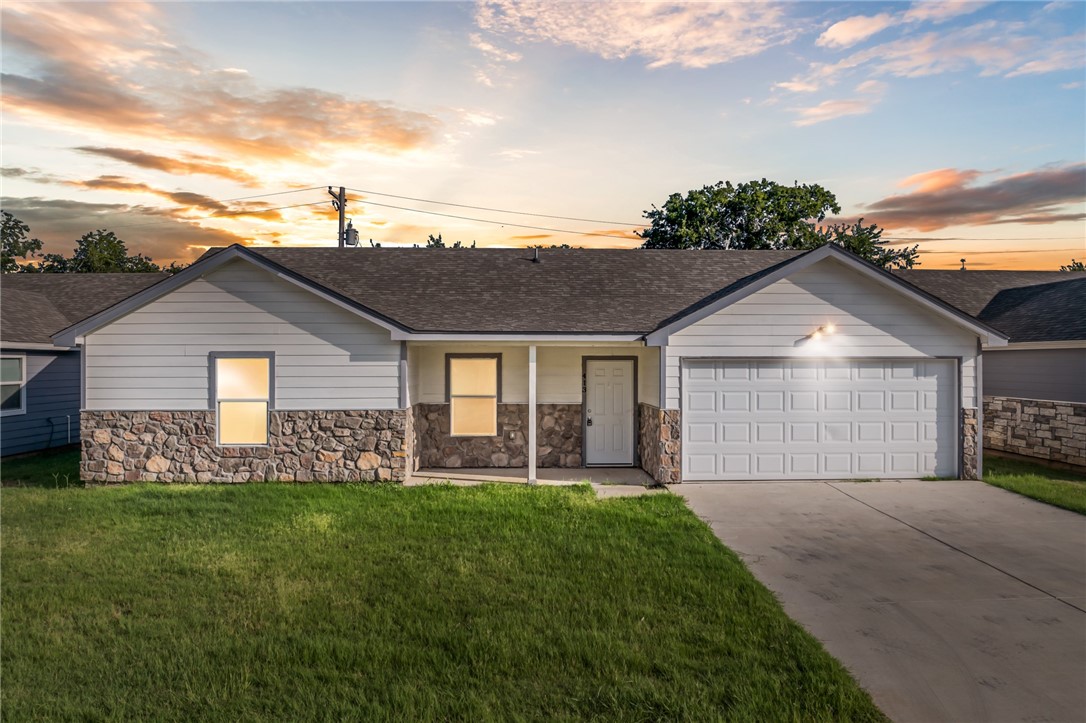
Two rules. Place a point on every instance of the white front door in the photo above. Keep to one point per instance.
(609, 411)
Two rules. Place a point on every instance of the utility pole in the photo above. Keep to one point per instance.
(339, 202)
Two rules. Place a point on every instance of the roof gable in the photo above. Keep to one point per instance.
(731, 295)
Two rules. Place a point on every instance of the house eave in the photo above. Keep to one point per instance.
(32, 346)
(1042, 345)
(536, 338)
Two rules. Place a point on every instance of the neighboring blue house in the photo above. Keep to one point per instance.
(39, 381)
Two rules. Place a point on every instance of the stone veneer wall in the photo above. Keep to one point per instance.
(969, 444)
(659, 443)
(317, 446)
(558, 430)
(1054, 431)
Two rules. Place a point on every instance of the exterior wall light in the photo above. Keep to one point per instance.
(817, 334)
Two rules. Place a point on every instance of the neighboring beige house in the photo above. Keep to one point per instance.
(360, 364)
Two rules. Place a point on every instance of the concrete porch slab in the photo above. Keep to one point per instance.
(608, 481)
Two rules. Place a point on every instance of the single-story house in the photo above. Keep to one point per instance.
(1034, 388)
(358, 364)
(39, 381)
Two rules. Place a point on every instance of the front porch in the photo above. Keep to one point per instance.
(549, 412)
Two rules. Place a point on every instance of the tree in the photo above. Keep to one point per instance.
(98, 252)
(436, 242)
(866, 242)
(1074, 266)
(763, 215)
(17, 243)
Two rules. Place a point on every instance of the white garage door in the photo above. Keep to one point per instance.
(783, 419)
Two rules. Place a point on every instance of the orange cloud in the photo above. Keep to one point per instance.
(59, 222)
(932, 181)
(111, 67)
(946, 197)
(187, 199)
(192, 165)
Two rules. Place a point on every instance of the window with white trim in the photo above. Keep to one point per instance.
(12, 384)
(474, 383)
(243, 393)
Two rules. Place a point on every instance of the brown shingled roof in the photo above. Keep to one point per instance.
(1025, 305)
(35, 306)
(605, 291)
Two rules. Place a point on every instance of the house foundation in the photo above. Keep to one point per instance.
(304, 446)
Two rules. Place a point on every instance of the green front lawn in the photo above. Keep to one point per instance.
(296, 602)
(47, 469)
(1055, 486)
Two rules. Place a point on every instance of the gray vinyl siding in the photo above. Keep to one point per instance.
(1057, 375)
(52, 403)
(326, 357)
(872, 321)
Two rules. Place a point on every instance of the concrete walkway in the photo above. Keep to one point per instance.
(606, 481)
(949, 601)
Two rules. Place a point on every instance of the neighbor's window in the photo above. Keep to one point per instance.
(473, 395)
(13, 385)
(242, 397)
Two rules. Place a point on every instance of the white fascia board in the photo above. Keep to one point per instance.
(35, 346)
(990, 337)
(1042, 345)
(73, 335)
(540, 339)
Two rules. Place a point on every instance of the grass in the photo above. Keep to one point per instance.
(48, 469)
(1054, 486)
(292, 602)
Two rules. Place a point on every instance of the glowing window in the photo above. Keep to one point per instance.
(242, 398)
(473, 395)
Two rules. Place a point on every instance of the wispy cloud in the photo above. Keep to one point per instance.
(990, 47)
(852, 30)
(111, 67)
(515, 154)
(939, 11)
(188, 200)
(951, 197)
(691, 35)
(868, 95)
(191, 164)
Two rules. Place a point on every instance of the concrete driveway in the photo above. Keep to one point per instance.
(949, 601)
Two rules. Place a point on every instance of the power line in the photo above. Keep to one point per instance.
(486, 220)
(497, 210)
(914, 239)
(277, 193)
(1000, 251)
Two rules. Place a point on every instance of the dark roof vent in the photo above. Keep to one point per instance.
(963, 266)
(535, 257)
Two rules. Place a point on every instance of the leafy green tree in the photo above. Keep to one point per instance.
(1074, 266)
(17, 243)
(866, 242)
(436, 242)
(98, 252)
(763, 215)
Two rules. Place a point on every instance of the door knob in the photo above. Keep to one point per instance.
(590, 421)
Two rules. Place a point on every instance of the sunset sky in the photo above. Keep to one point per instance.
(958, 126)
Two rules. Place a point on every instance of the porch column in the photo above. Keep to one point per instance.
(531, 416)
